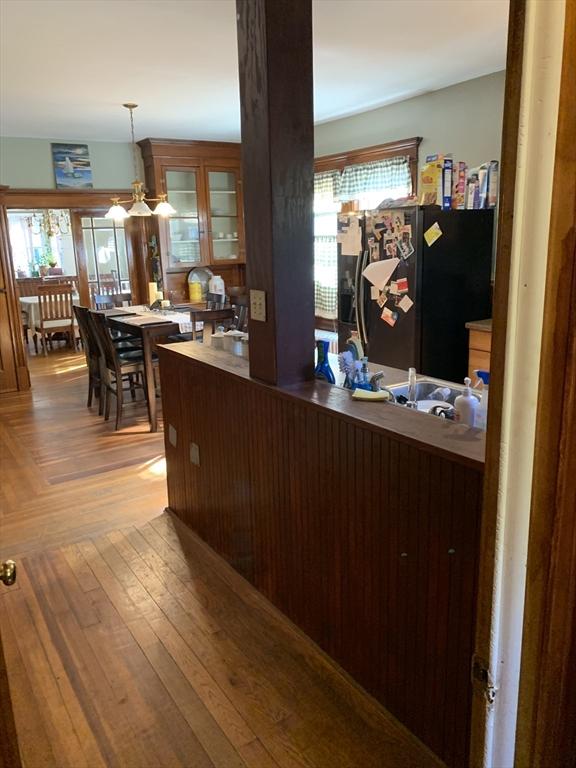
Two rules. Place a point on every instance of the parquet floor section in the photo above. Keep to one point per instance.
(142, 648)
(65, 473)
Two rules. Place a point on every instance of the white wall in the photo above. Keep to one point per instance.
(465, 119)
(27, 163)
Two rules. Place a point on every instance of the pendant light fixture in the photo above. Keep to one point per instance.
(139, 200)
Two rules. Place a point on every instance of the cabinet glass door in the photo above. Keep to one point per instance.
(183, 235)
(224, 221)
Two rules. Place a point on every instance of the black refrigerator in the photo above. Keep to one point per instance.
(442, 280)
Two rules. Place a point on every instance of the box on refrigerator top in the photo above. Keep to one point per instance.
(459, 172)
(492, 184)
(447, 184)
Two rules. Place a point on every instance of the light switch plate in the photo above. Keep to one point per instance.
(258, 305)
(172, 436)
(194, 454)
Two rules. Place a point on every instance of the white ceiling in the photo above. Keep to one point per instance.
(67, 65)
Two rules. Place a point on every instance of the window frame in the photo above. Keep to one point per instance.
(338, 161)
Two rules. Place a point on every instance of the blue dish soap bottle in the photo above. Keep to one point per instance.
(323, 370)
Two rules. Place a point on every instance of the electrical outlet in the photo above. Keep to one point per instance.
(194, 454)
(258, 305)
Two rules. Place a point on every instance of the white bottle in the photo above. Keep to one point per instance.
(465, 406)
(216, 285)
(482, 413)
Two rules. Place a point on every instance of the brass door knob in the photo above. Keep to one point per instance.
(8, 572)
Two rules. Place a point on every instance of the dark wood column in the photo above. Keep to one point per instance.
(275, 60)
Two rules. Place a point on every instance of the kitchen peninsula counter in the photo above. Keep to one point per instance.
(440, 436)
(360, 521)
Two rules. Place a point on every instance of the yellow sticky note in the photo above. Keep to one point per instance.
(432, 234)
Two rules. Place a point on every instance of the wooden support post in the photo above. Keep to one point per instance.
(275, 60)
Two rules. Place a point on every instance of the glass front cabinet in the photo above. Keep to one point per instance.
(202, 182)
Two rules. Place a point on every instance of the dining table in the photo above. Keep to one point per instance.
(149, 326)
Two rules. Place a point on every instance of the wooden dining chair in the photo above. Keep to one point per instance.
(92, 354)
(119, 299)
(118, 367)
(56, 315)
(103, 301)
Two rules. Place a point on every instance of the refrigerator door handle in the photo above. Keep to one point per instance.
(360, 310)
(357, 278)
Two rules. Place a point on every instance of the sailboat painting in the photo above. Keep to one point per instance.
(72, 166)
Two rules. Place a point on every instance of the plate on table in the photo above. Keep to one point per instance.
(201, 275)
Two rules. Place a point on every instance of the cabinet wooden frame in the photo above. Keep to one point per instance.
(163, 155)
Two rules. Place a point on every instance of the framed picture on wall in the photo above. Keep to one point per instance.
(72, 166)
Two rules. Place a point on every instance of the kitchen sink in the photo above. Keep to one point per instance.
(425, 388)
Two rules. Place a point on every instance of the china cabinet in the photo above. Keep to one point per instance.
(202, 181)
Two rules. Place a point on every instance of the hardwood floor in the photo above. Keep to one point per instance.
(66, 474)
(128, 641)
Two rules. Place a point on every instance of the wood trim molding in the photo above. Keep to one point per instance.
(510, 128)
(13, 307)
(339, 160)
(546, 733)
(62, 198)
(175, 149)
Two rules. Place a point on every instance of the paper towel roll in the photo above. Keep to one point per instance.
(152, 291)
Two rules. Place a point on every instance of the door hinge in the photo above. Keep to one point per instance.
(481, 679)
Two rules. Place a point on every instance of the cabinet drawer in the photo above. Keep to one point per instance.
(481, 340)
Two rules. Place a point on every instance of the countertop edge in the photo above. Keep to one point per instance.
(315, 392)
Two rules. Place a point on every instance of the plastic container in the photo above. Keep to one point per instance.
(195, 292)
(412, 389)
(465, 406)
(229, 338)
(482, 413)
(217, 340)
(216, 285)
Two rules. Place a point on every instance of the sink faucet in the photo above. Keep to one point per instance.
(376, 386)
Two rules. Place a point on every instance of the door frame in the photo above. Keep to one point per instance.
(76, 215)
(546, 732)
(14, 338)
(486, 575)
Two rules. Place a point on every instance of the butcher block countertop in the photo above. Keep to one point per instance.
(480, 325)
(458, 442)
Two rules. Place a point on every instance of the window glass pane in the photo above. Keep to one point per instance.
(33, 248)
(222, 193)
(102, 223)
(89, 250)
(122, 257)
(182, 192)
(225, 249)
(86, 221)
(106, 258)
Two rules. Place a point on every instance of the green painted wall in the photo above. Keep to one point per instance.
(465, 119)
(27, 163)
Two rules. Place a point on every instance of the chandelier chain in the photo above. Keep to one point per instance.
(134, 158)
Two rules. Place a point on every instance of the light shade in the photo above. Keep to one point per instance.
(140, 209)
(117, 212)
(164, 209)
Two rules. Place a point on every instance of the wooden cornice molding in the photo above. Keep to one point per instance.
(61, 198)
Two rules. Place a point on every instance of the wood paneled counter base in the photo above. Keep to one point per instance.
(360, 521)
